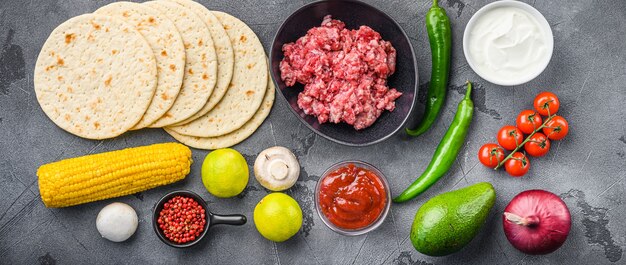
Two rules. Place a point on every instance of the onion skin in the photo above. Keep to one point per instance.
(536, 222)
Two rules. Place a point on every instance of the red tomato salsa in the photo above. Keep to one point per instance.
(352, 197)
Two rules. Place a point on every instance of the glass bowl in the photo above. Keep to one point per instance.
(373, 225)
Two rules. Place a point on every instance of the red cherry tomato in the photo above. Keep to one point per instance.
(517, 165)
(557, 128)
(547, 103)
(538, 145)
(528, 120)
(490, 155)
(510, 137)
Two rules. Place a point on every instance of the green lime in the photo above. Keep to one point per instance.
(278, 217)
(225, 173)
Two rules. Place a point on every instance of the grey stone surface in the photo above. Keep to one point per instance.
(587, 71)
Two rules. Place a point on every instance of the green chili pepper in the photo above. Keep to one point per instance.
(440, 37)
(446, 152)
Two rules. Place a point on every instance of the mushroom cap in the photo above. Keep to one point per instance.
(117, 222)
(276, 168)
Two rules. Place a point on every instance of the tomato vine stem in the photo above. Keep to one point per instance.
(510, 156)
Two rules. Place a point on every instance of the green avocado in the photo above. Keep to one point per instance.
(449, 221)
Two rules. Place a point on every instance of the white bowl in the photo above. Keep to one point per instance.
(543, 23)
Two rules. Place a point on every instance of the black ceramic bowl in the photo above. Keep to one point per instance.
(354, 14)
(212, 219)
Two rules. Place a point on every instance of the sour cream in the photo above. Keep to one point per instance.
(507, 45)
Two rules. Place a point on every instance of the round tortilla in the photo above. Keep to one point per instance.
(224, 51)
(95, 76)
(201, 63)
(168, 49)
(246, 89)
(238, 135)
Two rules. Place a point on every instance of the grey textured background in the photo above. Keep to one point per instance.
(587, 72)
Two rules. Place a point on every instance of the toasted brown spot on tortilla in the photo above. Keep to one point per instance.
(200, 42)
(250, 66)
(114, 52)
(205, 77)
(190, 71)
(249, 93)
(226, 27)
(125, 14)
(187, 45)
(243, 38)
(91, 38)
(96, 125)
(125, 30)
(60, 78)
(173, 67)
(48, 68)
(60, 61)
(163, 53)
(95, 25)
(164, 96)
(211, 120)
(52, 53)
(70, 89)
(99, 60)
(167, 115)
(204, 56)
(69, 38)
(151, 20)
(106, 29)
(107, 82)
(87, 118)
(67, 117)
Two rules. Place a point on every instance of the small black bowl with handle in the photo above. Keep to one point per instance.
(354, 14)
(211, 218)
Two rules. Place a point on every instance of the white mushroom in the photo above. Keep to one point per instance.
(276, 168)
(117, 222)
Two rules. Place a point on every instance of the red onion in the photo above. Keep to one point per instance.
(536, 222)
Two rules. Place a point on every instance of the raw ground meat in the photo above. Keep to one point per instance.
(344, 73)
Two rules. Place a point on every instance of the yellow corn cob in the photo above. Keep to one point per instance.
(112, 174)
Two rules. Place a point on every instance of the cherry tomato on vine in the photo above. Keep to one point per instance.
(510, 137)
(557, 128)
(490, 155)
(528, 120)
(517, 165)
(538, 145)
(547, 103)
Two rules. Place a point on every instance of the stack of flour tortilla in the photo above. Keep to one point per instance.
(201, 75)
